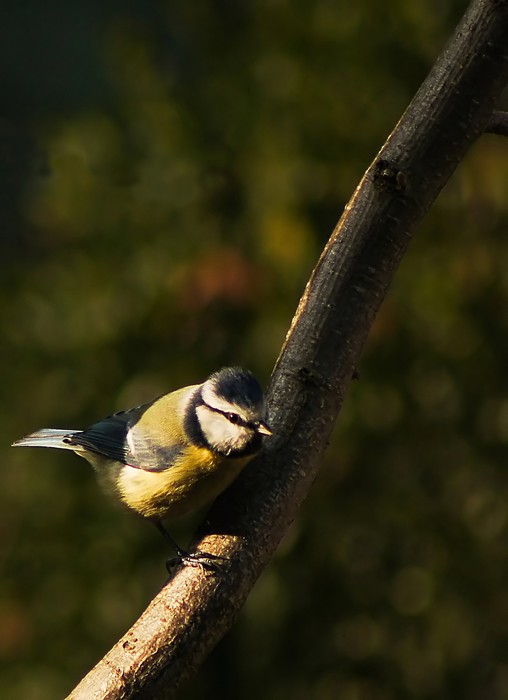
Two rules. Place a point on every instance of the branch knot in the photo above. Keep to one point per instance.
(389, 177)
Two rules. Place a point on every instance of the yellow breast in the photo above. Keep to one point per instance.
(196, 478)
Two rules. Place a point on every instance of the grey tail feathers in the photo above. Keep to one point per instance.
(47, 437)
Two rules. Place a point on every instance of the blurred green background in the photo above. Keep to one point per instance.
(169, 173)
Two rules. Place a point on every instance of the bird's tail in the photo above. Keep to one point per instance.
(47, 437)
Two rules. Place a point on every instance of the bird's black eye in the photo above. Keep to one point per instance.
(233, 418)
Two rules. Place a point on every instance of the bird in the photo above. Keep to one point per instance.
(169, 457)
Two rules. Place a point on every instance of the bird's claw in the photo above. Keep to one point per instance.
(209, 563)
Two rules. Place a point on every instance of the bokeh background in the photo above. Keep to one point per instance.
(169, 173)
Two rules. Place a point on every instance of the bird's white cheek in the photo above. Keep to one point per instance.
(218, 431)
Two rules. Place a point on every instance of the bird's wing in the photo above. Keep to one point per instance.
(108, 437)
(138, 437)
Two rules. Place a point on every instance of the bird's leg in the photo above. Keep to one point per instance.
(178, 550)
(209, 562)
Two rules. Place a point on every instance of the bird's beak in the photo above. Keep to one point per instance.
(263, 428)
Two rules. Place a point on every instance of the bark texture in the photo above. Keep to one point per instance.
(194, 610)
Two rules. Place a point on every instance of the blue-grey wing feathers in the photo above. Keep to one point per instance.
(107, 437)
(116, 437)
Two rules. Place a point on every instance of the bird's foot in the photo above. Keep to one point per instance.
(209, 563)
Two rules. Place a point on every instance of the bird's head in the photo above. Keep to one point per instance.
(232, 412)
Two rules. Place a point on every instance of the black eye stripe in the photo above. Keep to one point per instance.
(233, 418)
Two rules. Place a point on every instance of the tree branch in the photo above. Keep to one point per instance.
(193, 611)
(498, 123)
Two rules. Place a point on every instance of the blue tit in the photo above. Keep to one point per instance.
(168, 457)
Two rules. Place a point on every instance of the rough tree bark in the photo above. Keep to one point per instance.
(193, 611)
